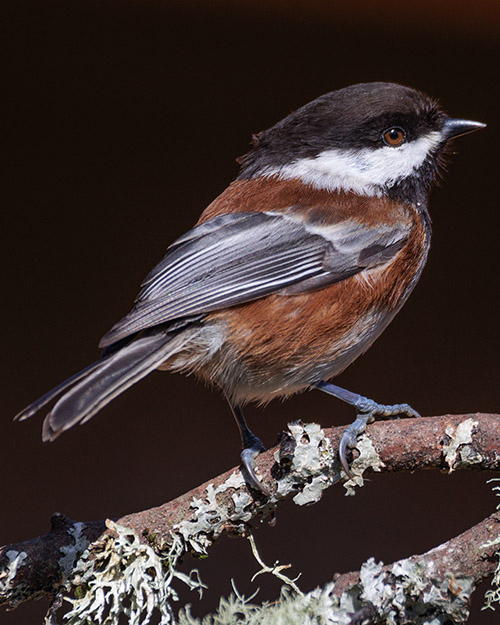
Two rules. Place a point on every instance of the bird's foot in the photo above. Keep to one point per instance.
(367, 411)
(252, 447)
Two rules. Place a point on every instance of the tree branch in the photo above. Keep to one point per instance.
(301, 467)
(453, 569)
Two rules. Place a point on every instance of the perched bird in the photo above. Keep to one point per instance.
(293, 271)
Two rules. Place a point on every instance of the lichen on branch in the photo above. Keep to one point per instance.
(68, 561)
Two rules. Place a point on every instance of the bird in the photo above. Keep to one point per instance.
(293, 271)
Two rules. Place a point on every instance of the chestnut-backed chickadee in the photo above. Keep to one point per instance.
(293, 271)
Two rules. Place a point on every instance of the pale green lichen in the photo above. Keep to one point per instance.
(198, 530)
(409, 592)
(7, 575)
(313, 462)
(126, 577)
(404, 594)
(314, 467)
(367, 459)
(71, 553)
(16, 560)
(318, 607)
(492, 595)
(458, 450)
(450, 598)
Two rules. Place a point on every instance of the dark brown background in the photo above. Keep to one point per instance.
(123, 121)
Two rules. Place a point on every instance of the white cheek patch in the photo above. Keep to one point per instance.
(365, 171)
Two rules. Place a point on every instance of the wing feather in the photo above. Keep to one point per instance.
(240, 257)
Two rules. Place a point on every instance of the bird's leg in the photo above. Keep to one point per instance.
(251, 447)
(367, 411)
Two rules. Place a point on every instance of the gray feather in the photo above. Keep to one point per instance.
(110, 378)
(241, 257)
(37, 405)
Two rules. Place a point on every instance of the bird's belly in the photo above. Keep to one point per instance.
(281, 345)
(262, 374)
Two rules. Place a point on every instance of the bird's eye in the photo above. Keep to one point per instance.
(394, 136)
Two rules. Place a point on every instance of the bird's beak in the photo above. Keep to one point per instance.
(458, 127)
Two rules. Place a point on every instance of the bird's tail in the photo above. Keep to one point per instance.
(96, 385)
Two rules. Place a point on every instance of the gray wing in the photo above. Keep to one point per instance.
(240, 257)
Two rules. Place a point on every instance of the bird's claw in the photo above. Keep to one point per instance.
(367, 411)
(349, 437)
(251, 450)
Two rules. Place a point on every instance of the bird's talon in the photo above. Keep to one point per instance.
(248, 456)
(343, 447)
(349, 438)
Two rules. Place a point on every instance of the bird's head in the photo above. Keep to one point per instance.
(371, 139)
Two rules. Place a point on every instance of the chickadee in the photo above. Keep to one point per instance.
(293, 271)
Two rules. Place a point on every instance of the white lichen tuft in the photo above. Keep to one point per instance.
(197, 531)
(314, 467)
(16, 559)
(407, 592)
(458, 450)
(492, 595)
(313, 461)
(319, 607)
(7, 575)
(126, 577)
(391, 597)
(367, 459)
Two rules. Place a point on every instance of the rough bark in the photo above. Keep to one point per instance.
(301, 467)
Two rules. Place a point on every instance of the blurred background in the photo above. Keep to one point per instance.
(123, 122)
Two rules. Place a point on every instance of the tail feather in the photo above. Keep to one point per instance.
(94, 387)
(37, 405)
